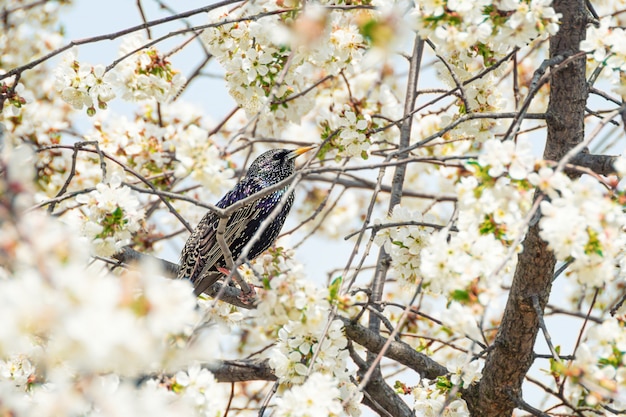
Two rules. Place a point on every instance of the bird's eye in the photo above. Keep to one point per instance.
(278, 156)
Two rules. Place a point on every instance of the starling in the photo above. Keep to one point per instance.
(202, 252)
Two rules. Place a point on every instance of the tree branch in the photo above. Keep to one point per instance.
(228, 294)
(499, 391)
(600, 164)
(398, 351)
(398, 177)
(241, 370)
(380, 393)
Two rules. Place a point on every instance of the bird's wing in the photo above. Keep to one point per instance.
(202, 251)
(236, 225)
(192, 253)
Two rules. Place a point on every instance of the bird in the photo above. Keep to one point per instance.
(202, 260)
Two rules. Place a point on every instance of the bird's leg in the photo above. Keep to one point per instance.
(248, 292)
(223, 270)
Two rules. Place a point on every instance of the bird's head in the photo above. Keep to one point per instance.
(277, 164)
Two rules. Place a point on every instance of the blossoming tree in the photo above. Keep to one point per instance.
(464, 165)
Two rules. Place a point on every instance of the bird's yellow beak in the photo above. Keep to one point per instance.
(297, 152)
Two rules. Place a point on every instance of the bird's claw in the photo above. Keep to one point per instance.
(249, 297)
(245, 297)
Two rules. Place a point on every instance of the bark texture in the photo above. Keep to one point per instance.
(511, 355)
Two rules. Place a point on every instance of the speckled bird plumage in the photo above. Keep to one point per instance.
(202, 253)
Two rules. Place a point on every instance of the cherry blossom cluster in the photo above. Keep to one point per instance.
(112, 215)
(253, 64)
(487, 27)
(56, 322)
(28, 32)
(318, 396)
(269, 73)
(295, 311)
(198, 386)
(61, 343)
(492, 203)
(254, 57)
(298, 344)
(352, 136)
(98, 395)
(142, 74)
(351, 128)
(39, 120)
(584, 225)
(17, 369)
(404, 242)
(171, 145)
(147, 73)
(84, 85)
(605, 46)
(606, 43)
(33, 109)
(598, 374)
(16, 98)
(292, 296)
(440, 397)
(432, 402)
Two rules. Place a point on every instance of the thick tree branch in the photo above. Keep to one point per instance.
(226, 293)
(128, 256)
(379, 394)
(499, 391)
(241, 370)
(600, 164)
(397, 351)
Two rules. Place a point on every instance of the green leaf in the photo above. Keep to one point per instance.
(333, 289)
(460, 295)
(443, 383)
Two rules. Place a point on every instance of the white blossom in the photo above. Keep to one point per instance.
(84, 85)
(430, 402)
(113, 213)
(146, 74)
(499, 156)
(586, 227)
(404, 242)
(317, 397)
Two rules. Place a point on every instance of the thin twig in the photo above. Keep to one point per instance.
(63, 190)
(129, 170)
(544, 329)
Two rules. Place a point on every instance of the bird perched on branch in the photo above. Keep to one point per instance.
(202, 260)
